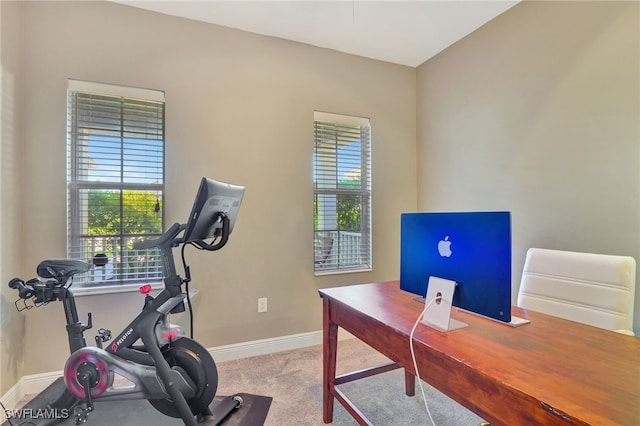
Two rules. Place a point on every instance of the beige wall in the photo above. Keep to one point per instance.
(240, 109)
(538, 113)
(12, 324)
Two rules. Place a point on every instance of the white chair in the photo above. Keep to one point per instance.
(594, 289)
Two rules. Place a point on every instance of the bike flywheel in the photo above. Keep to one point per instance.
(192, 359)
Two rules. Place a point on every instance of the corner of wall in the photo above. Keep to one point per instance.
(12, 323)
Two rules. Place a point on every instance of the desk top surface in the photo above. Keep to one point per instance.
(583, 371)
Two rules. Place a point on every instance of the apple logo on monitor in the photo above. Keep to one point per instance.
(444, 247)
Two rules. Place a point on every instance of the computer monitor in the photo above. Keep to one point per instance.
(471, 248)
(213, 197)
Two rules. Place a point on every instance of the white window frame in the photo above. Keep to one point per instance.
(148, 263)
(338, 250)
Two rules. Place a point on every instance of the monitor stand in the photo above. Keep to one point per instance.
(438, 314)
(515, 321)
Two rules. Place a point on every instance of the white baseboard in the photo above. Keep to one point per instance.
(31, 384)
(267, 346)
(36, 383)
(11, 399)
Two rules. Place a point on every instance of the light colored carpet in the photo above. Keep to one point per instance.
(294, 380)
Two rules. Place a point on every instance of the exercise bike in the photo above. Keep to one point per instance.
(173, 372)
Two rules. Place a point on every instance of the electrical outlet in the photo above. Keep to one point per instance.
(262, 304)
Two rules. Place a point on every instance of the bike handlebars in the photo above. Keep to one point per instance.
(169, 237)
(42, 292)
(224, 237)
(23, 291)
(57, 273)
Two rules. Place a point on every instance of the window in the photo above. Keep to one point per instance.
(342, 193)
(115, 180)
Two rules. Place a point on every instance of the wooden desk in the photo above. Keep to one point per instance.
(551, 371)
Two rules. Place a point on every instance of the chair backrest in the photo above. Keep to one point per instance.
(594, 289)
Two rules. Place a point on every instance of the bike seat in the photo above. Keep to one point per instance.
(61, 268)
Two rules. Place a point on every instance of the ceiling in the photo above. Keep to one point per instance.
(402, 32)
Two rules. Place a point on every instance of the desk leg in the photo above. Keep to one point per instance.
(329, 352)
(409, 383)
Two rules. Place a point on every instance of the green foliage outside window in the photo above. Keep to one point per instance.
(115, 219)
(140, 213)
(348, 208)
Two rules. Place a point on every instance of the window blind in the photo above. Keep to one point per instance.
(115, 179)
(342, 193)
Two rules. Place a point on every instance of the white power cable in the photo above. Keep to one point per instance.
(413, 357)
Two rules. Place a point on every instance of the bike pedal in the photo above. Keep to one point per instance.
(104, 334)
(81, 415)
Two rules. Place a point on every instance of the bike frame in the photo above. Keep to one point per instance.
(90, 371)
(148, 362)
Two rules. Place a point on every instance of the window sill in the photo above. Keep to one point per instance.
(112, 289)
(321, 273)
